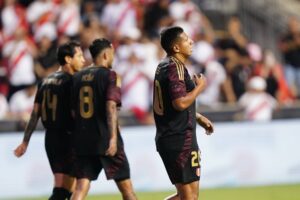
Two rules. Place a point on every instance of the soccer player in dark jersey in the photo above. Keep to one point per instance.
(52, 104)
(97, 140)
(175, 115)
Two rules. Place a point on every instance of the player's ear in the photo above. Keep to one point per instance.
(105, 55)
(175, 48)
(68, 59)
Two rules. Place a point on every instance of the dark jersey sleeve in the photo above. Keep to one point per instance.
(177, 87)
(114, 88)
(39, 94)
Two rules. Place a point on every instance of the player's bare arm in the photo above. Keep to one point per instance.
(35, 115)
(183, 103)
(112, 119)
(205, 123)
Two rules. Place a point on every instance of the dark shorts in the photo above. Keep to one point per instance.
(59, 151)
(116, 167)
(181, 157)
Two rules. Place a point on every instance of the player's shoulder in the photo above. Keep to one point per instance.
(82, 72)
(59, 75)
(170, 63)
(52, 75)
(95, 69)
(176, 68)
(166, 62)
(106, 72)
(164, 65)
(174, 62)
(48, 78)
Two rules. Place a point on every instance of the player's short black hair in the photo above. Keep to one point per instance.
(168, 36)
(98, 46)
(67, 49)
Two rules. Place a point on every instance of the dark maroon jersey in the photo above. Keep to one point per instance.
(172, 81)
(92, 88)
(54, 94)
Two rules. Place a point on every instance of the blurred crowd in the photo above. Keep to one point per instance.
(238, 71)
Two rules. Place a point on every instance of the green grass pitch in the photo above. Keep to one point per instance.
(279, 192)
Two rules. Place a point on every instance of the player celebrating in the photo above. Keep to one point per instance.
(52, 104)
(175, 114)
(98, 143)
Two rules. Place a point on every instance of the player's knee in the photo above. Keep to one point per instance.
(188, 195)
(196, 196)
(82, 186)
(124, 185)
(69, 183)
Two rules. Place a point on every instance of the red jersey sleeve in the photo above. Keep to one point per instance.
(114, 88)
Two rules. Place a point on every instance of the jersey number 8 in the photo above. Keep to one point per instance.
(86, 102)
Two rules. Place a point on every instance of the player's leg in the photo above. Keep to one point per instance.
(85, 169)
(117, 168)
(126, 189)
(189, 191)
(63, 187)
(173, 197)
(81, 189)
(55, 154)
(69, 182)
(182, 163)
(61, 161)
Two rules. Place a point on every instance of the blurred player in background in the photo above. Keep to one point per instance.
(98, 143)
(52, 104)
(175, 114)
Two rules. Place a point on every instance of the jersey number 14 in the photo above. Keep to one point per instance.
(49, 104)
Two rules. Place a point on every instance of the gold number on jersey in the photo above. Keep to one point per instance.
(195, 158)
(158, 100)
(86, 102)
(49, 103)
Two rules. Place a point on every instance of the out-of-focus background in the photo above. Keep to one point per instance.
(249, 52)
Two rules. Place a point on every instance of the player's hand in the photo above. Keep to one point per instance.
(206, 124)
(200, 81)
(112, 149)
(21, 149)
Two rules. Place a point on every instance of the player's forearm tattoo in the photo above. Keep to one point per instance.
(112, 118)
(31, 126)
